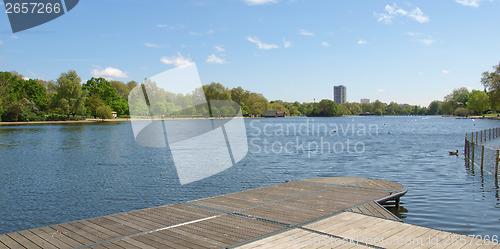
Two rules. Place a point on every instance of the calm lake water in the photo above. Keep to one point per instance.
(60, 173)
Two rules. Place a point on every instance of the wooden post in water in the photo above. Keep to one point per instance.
(489, 136)
(473, 153)
(496, 164)
(477, 136)
(466, 145)
(482, 158)
(481, 137)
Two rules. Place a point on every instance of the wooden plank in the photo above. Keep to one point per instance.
(114, 226)
(337, 180)
(278, 238)
(22, 240)
(75, 236)
(152, 242)
(35, 239)
(131, 241)
(52, 238)
(9, 242)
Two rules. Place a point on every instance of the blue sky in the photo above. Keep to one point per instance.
(404, 51)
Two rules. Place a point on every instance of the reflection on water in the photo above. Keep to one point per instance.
(60, 173)
(401, 212)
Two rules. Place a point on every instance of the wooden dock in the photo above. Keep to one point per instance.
(336, 212)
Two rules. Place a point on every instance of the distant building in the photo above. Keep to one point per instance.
(339, 94)
(365, 101)
(273, 114)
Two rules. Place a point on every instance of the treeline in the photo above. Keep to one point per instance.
(68, 97)
(462, 102)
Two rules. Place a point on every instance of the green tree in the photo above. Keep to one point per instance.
(479, 101)
(434, 108)
(458, 98)
(491, 81)
(131, 85)
(103, 88)
(447, 107)
(462, 112)
(381, 107)
(367, 108)
(92, 103)
(121, 88)
(394, 109)
(70, 97)
(216, 91)
(104, 112)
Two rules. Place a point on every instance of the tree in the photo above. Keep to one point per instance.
(461, 112)
(92, 103)
(393, 109)
(121, 88)
(458, 98)
(434, 108)
(381, 107)
(491, 81)
(104, 90)
(367, 108)
(131, 85)
(70, 97)
(326, 108)
(479, 101)
(104, 112)
(447, 107)
(23, 110)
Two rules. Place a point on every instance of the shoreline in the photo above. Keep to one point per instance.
(91, 120)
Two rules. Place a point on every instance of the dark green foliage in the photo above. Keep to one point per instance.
(23, 110)
(104, 112)
(101, 88)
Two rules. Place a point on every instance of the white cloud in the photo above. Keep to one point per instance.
(261, 45)
(220, 48)
(381, 90)
(426, 42)
(154, 45)
(170, 27)
(325, 44)
(418, 37)
(15, 37)
(177, 61)
(1, 42)
(393, 11)
(305, 32)
(418, 15)
(195, 33)
(286, 43)
(413, 34)
(209, 32)
(472, 3)
(109, 72)
(362, 42)
(260, 2)
(445, 71)
(213, 59)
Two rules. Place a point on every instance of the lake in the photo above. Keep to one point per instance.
(57, 173)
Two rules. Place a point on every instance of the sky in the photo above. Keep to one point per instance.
(409, 52)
